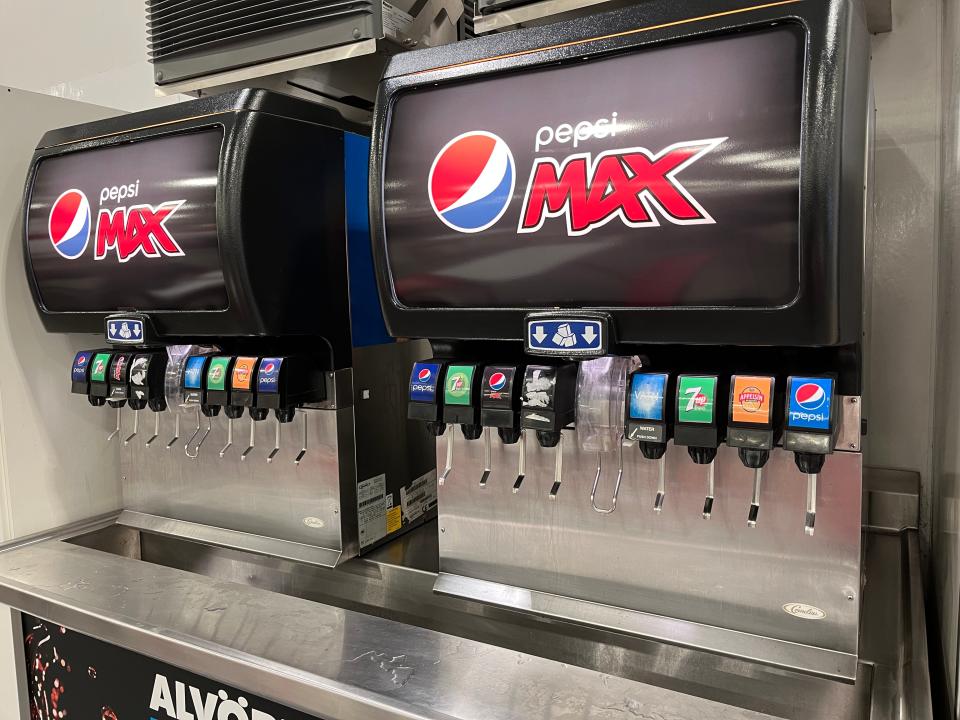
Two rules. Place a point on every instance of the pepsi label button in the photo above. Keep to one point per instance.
(810, 401)
(496, 390)
(81, 366)
(268, 376)
(423, 382)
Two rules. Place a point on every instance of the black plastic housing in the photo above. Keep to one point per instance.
(280, 216)
(827, 310)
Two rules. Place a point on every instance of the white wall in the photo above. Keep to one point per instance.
(88, 50)
(55, 464)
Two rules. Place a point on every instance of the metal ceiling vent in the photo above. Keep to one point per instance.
(198, 43)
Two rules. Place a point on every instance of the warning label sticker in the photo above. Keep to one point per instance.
(372, 509)
(420, 496)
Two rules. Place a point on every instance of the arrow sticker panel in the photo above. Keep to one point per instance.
(566, 337)
(124, 330)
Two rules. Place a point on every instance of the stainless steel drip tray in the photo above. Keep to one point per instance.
(305, 635)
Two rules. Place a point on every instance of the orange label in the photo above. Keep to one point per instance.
(243, 373)
(752, 399)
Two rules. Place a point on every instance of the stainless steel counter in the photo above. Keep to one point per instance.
(371, 640)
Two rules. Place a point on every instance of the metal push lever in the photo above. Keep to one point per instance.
(522, 469)
(253, 434)
(708, 501)
(755, 501)
(176, 430)
(449, 465)
(156, 430)
(487, 457)
(276, 440)
(223, 450)
(661, 483)
(811, 517)
(303, 450)
(116, 430)
(136, 428)
(616, 489)
(557, 470)
(196, 449)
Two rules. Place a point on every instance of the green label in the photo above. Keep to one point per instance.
(459, 384)
(217, 373)
(98, 370)
(696, 398)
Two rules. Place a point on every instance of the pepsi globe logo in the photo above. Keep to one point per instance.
(424, 375)
(810, 396)
(69, 224)
(497, 381)
(268, 368)
(471, 181)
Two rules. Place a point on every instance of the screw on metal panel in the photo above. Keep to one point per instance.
(853, 446)
(443, 530)
(159, 75)
(356, 33)
(853, 400)
(409, 43)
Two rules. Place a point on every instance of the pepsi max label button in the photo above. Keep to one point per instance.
(423, 382)
(124, 330)
(81, 366)
(810, 400)
(648, 393)
(193, 373)
(496, 390)
(566, 337)
(268, 377)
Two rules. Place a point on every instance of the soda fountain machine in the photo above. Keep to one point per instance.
(221, 247)
(638, 255)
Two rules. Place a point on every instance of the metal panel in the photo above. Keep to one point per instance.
(715, 573)
(338, 664)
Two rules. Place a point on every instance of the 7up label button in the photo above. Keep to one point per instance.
(696, 399)
(459, 384)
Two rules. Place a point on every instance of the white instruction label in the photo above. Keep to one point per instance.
(420, 496)
(372, 510)
(396, 22)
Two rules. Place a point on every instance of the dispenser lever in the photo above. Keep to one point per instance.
(522, 469)
(487, 457)
(616, 489)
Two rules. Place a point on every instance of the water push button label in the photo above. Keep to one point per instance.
(193, 373)
(647, 391)
(810, 400)
(268, 378)
(696, 399)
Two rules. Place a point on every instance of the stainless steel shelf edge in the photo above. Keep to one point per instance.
(768, 651)
(221, 537)
(337, 664)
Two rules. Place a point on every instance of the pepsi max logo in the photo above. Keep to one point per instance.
(268, 368)
(424, 375)
(810, 396)
(497, 381)
(69, 224)
(471, 181)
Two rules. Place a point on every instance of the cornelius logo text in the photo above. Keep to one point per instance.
(471, 181)
(128, 230)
